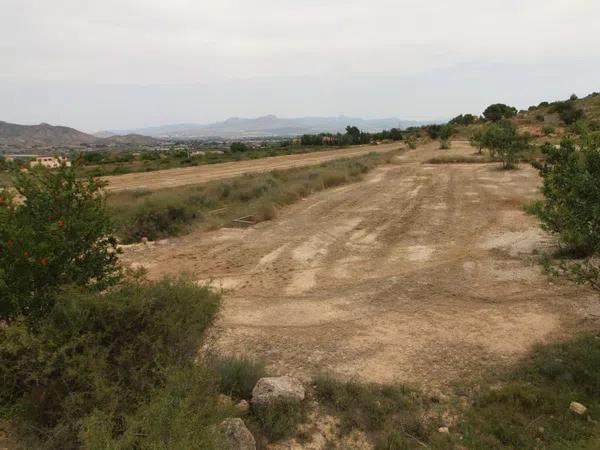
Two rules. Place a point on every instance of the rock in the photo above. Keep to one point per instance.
(144, 240)
(443, 430)
(243, 406)
(271, 389)
(578, 408)
(237, 436)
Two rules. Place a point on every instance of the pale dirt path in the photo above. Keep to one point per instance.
(420, 273)
(161, 179)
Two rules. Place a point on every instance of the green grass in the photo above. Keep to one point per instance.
(527, 407)
(530, 408)
(169, 212)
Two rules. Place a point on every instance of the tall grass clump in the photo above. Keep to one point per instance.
(169, 212)
(238, 376)
(392, 414)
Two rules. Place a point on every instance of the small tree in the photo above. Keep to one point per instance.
(503, 140)
(571, 205)
(499, 111)
(476, 140)
(54, 232)
(446, 133)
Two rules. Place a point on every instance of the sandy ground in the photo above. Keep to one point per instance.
(201, 174)
(420, 273)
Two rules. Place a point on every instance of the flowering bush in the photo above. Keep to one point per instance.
(53, 231)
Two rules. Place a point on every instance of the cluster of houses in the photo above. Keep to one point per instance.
(51, 162)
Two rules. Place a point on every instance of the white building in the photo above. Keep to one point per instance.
(50, 162)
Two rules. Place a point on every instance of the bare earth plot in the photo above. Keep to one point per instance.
(420, 273)
(201, 174)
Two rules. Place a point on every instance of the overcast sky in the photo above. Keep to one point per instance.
(100, 64)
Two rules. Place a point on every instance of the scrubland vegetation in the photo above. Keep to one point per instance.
(159, 214)
(92, 357)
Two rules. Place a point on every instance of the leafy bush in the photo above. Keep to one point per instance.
(238, 376)
(571, 188)
(158, 221)
(548, 130)
(503, 141)
(540, 117)
(179, 415)
(95, 358)
(567, 112)
(571, 206)
(55, 232)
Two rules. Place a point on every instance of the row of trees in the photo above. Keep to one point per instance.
(352, 136)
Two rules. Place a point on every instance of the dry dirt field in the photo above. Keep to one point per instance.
(420, 273)
(201, 174)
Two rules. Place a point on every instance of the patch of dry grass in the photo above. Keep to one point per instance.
(168, 212)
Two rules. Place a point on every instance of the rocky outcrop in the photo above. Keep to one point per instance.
(269, 390)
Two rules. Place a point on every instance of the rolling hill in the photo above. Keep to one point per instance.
(43, 135)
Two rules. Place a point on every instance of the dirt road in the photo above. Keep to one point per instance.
(420, 273)
(201, 174)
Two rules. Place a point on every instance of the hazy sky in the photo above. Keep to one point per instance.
(127, 63)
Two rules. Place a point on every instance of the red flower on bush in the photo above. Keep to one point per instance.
(25, 253)
(61, 223)
(44, 261)
(10, 242)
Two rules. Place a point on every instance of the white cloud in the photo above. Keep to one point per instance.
(177, 42)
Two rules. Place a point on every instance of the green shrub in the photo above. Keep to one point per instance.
(571, 188)
(548, 130)
(179, 415)
(156, 221)
(238, 376)
(567, 112)
(58, 234)
(571, 206)
(540, 117)
(100, 355)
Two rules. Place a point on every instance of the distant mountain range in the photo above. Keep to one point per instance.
(271, 125)
(44, 135)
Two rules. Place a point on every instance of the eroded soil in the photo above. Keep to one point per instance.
(420, 273)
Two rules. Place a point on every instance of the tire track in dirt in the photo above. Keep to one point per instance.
(420, 273)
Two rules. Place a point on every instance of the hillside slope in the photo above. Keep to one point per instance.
(41, 135)
(44, 134)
